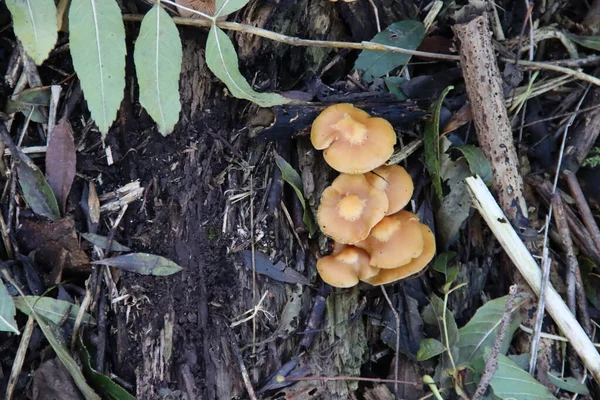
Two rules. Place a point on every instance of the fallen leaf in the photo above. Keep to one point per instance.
(36, 191)
(61, 158)
(102, 242)
(51, 309)
(279, 272)
(7, 311)
(142, 263)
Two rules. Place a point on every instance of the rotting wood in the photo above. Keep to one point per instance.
(527, 266)
(484, 89)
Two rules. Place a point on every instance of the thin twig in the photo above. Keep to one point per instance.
(397, 317)
(491, 364)
(572, 265)
(583, 207)
(376, 14)
(350, 378)
(244, 371)
(17, 365)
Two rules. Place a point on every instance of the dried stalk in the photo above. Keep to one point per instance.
(527, 266)
(484, 88)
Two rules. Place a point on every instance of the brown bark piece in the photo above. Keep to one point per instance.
(484, 88)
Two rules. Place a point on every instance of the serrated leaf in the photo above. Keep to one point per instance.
(222, 60)
(97, 43)
(142, 263)
(430, 348)
(29, 102)
(569, 384)
(480, 332)
(290, 175)
(34, 23)
(157, 58)
(405, 34)
(53, 310)
(591, 42)
(226, 7)
(102, 383)
(61, 159)
(102, 242)
(56, 339)
(432, 143)
(511, 382)
(478, 163)
(36, 191)
(7, 311)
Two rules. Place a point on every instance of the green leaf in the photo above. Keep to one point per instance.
(569, 384)
(511, 382)
(53, 310)
(430, 348)
(405, 34)
(441, 265)
(222, 60)
(226, 7)
(38, 194)
(97, 42)
(34, 23)
(102, 383)
(290, 175)
(157, 57)
(29, 101)
(478, 163)
(591, 42)
(480, 332)
(142, 263)
(56, 339)
(7, 311)
(393, 85)
(102, 242)
(432, 143)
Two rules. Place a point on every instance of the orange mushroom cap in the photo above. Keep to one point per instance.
(386, 276)
(352, 141)
(394, 241)
(344, 268)
(395, 182)
(350, 208)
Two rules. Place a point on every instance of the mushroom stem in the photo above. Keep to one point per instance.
(353, 131)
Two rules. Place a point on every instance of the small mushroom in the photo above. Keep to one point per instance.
(353, 142)
(350, 208)
(395, 182)
(394, 241)
(345, 267)
(386, 276)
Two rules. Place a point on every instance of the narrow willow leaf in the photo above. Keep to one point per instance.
(7, 311)
(405, 34)
(102, 242)
(511, 382)
(102, 383)
(226, 7)
(591, 42)
(34, 23)
(30, 102)
(432, 143)
(290, 175)
(37, 192)
(222, 60)
(142, 263)
(157, 58)
(478, 163)
(55, 337)
(430, 348)
(53, 310)
(569, 384)
(61, 159)
(97, 42)
(480, 332)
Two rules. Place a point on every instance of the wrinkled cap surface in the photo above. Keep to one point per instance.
(416, 265)
(350, 208)
(344, 268)
(394, 241)
(352, 141)
(395, 182)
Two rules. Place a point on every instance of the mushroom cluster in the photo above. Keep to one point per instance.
(376, 241)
